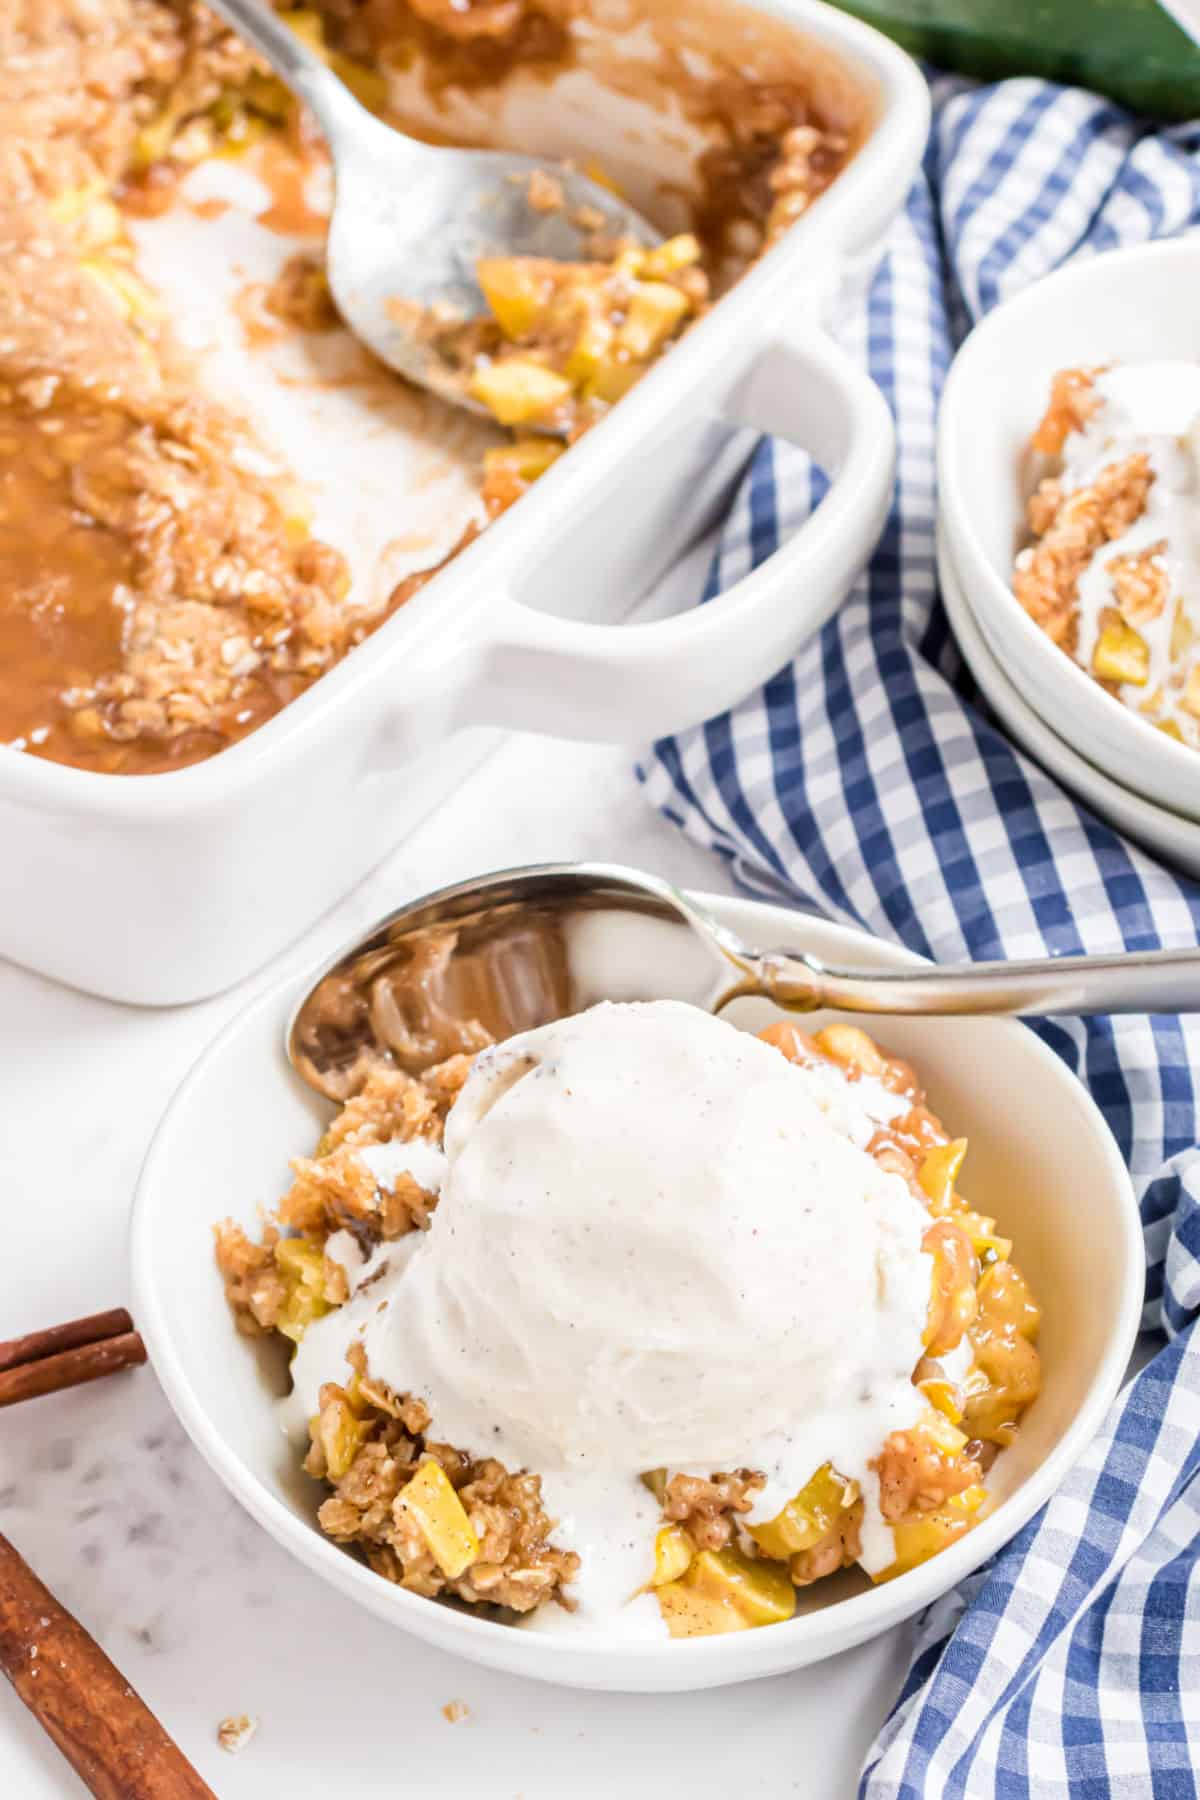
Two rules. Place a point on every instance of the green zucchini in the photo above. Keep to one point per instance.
(1131, 50)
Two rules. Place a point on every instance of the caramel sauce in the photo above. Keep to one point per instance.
(285, 172)
(68, 584)
(60, 621)
(259, 329)
(472, 47)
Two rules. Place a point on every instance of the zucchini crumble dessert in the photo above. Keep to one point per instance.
(637, 1323)
(163, 593)
(1112, 574)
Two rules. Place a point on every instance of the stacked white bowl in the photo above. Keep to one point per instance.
(1133, 305)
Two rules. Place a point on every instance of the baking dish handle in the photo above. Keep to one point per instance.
(579, 680)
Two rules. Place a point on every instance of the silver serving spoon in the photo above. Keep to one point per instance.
(513, 950)
(410, 221)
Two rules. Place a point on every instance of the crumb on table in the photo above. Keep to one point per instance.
(234, 1733)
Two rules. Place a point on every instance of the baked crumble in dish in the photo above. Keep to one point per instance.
(164, 592)
(1110, 573)
(638, 1323)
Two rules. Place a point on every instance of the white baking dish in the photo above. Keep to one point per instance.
(160, 889)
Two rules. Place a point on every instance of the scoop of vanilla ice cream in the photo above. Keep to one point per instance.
(657, 1244)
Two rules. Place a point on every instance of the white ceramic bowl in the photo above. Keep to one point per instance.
(1167, 834)
(1041, 1158)
(1128, 306)
(160, 889)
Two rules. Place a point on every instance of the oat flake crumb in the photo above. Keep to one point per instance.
(454, 1710)
(234, 1734)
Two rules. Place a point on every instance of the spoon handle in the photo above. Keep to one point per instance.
(1138, 981)
(297, 66)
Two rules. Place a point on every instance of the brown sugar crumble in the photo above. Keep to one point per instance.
(162, 596)
(1073, 400)
(234, 1733)
(1071, 527)
(1105, 573)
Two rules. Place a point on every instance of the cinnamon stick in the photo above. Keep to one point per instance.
(70, 1368)
(104, 1729)
(38, 1344)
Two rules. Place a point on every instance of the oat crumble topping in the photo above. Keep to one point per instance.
(1071, 528)
(1118, 468)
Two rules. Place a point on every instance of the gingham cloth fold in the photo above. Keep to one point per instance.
(863, 780)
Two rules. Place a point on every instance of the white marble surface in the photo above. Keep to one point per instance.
(105, 1496)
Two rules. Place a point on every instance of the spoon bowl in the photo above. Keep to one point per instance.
(497, 955)
(411, 221)
(476, 962)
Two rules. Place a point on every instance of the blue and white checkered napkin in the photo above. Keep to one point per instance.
(863, 779)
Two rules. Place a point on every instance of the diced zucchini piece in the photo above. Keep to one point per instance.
(726, 1591)
(673, 1553)
(943, 1396)
(627, 263)
(807, 1518)
(247, 128)
(307, 25)
(1009, 1377)
(939, 1171)
(613, 380)
(938, 1430)
(925, 1536)
(952, 1297)
(1006, 1304)
(591, 347)
(443, 1520)
(99, 226)
(526, 459)
(669, 257)
(1007, 1373)
(92, 219)
(266, 94)
(655, 309)
(514, 290)
(340, 1433)
(1183, 632)
(130, 294)
(517, 391)
(153, 141)
(70, 204)
(303, 1267)
(656, 1481)
(1121, 654)
(847, 1044)
(368, 86)
(988, 1246)
(297, 1257)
